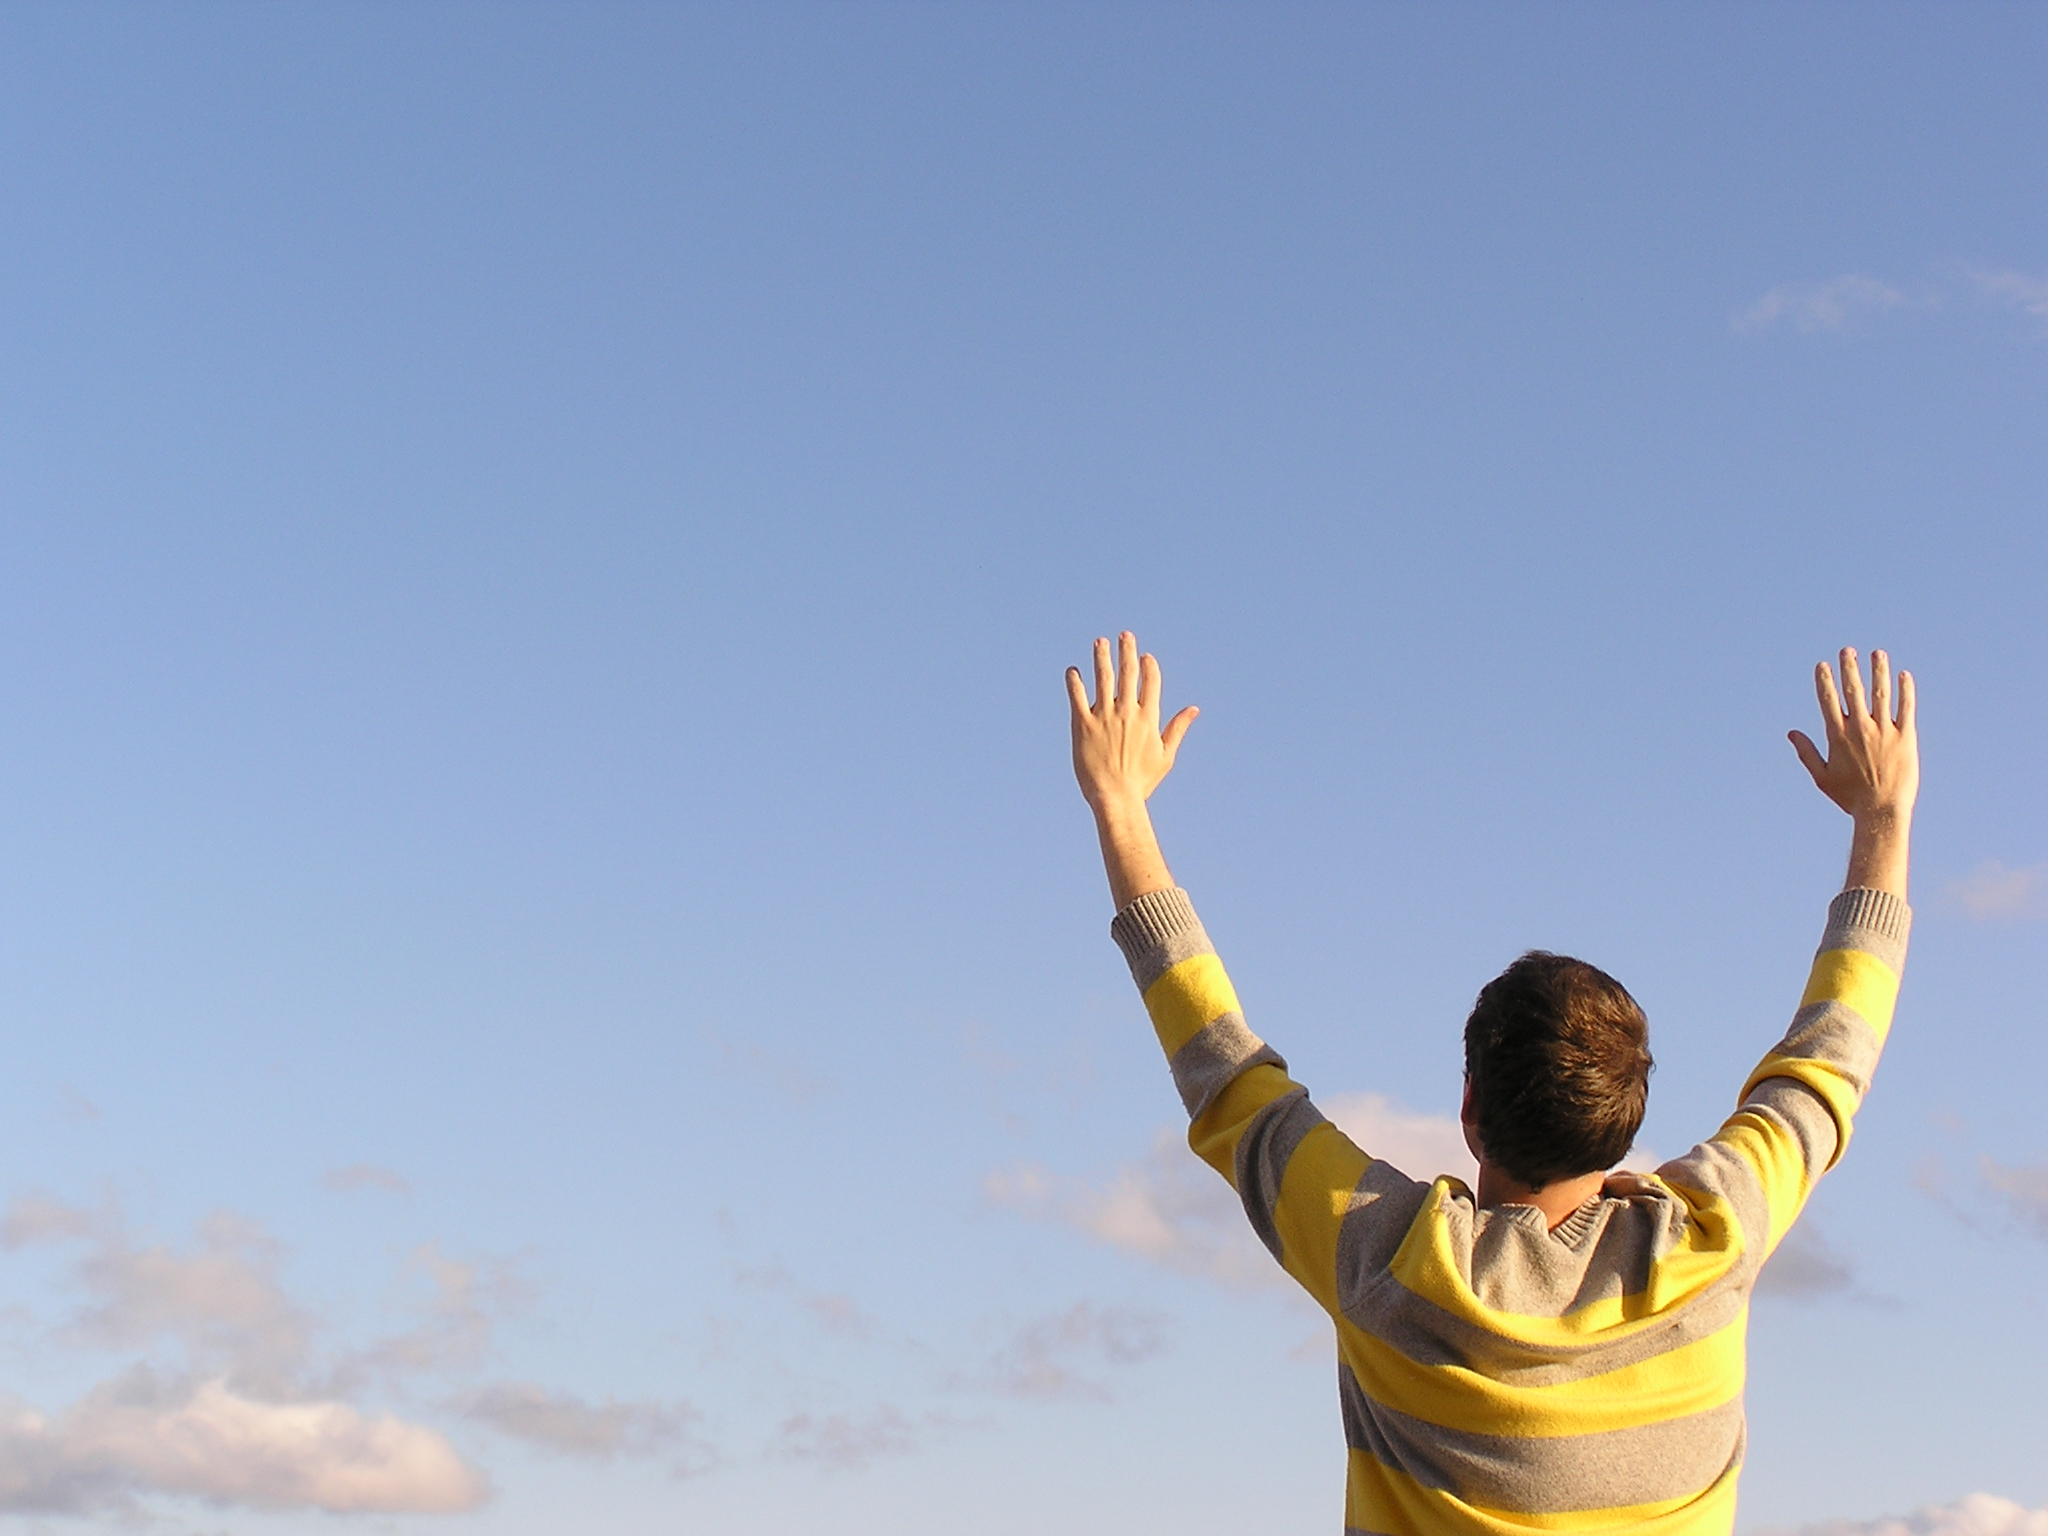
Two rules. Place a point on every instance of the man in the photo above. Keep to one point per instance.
(1562, 1348)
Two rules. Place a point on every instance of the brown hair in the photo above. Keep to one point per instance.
(1558, 1058)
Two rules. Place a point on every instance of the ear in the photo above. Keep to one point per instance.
(1465, 1106)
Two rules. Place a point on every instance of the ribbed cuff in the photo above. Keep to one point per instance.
(1879, 912)
(1151, 921)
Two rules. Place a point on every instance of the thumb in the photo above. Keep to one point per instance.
(1809, 754)
(1176, 728)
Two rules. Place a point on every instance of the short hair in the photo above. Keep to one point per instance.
(1558, 1058)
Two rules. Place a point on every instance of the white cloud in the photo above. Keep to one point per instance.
(1169, 1209)
(1828, 306)
(1976, 1514)
(565, 1424)
(137, 1435)
(2024, 1189)
(2024, 291)
(1421, 1146)
(1992, 891)
(1040, 1360)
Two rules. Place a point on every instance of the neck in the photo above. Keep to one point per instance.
(1555, 1200)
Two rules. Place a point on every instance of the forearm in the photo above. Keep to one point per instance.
(1130, 851)
(1878, 852)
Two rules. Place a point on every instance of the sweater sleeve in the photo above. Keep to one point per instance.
(1797, 1107)
(1295, 1173)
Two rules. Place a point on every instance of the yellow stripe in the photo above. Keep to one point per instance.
(1215, 1135)
(1429, 1265)
(1689, 1379)
(1858, 980)
(1379, 1498)
(1315, 1197)
(1187, 996)
(1774, 1153)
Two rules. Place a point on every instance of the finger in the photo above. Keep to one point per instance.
(1077, 693)
(1176, 728)
(1852, 683)
(1126, 669)
(1105, 679)
(1148, 685)
(1809, 754)
(1830, 701)
(1906, 701)
(1881, 687)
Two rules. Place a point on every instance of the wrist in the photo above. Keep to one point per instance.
(1883, 820)
(1119, 808)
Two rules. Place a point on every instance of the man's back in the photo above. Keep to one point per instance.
(1497, 1373)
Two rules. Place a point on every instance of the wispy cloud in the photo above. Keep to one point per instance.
(1828, 306)
(2024, 1191)
(456, 1318)
(834, 1311)
(1171, 1210)
(1167, 1209)
(366, 1176)
(567, 1425)
(1806, 1265)
(1976, 1514)
(218, 1299)
(847, 1442)
(2000, 1194)
(2022, 290)
(1045, 1358)
(1993, 892)
(783, 1071)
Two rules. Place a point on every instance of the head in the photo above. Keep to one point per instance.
(1557, 1070)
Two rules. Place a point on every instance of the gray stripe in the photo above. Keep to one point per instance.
(1263, 1152)
(1837, 1034)
(1876, 922)
(1803, 1115)
(1428, 1335)
(1220, 1051)
(1157, 931)
(1528, 1475)
(1717, 1169)
(1383, 1207)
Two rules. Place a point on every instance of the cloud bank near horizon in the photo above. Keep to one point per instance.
(224, 1397)
(1976, 1514)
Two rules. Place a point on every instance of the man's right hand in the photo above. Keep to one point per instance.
(1872, 765)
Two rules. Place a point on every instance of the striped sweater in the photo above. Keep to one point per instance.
(1497, 1376)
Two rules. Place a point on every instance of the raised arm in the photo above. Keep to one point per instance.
(1798, 1105)
(1120, 756)
(1294, 1172)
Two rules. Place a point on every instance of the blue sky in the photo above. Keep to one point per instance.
(548, 948)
